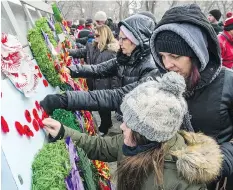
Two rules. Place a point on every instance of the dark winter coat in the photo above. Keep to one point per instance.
(126, 70)
(217, 28)
(94, 56)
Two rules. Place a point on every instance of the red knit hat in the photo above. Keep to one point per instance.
(228, 25)
(229, 14)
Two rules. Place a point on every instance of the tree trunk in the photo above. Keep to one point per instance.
(153, 6)
(147, 5)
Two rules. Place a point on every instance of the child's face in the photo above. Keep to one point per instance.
(127, 132)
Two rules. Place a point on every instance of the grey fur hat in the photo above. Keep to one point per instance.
(156, 109)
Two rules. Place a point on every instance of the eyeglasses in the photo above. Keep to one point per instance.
(122, 39)
(97, 35)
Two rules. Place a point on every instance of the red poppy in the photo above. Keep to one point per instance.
(19, 128)
(40, 123)
(37, 106)
(4, 125)
(28, 116)
(35, 125)
(40, 75)
(28, 131)
(44, 115)
(36, 67)
(45, 82)
(35, 114)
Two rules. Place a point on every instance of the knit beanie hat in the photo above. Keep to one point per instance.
(170, 42)
(156, 109)
(100, 16)
(129, 35)
(88, 21)
(216, 14)
(229, 14)
(228, 24)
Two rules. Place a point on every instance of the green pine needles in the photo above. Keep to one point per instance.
(67, 118)
(40, 52)
(51, 166)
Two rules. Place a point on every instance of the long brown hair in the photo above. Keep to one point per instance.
(105, 37)
(195, 76)
(134, 170)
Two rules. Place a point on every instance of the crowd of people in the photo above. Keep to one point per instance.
(172, 84)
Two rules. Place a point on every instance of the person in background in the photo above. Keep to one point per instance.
(229, 14)
(213, 17)
(133, 61)
(86, 34)
(113, 26)
(226, 43)
(104, 48)
(100, 18)
(81, 24)
(151, 152)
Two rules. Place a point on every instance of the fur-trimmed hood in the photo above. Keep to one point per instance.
(114, 46)
(200, 160)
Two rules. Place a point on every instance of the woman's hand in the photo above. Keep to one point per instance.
(52, 126)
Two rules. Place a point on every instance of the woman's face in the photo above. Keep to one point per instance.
(97, 36)
(126, 45)
(127, 132)
(177, 63)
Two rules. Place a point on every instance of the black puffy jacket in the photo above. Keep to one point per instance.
(127, 72)
(94, 56)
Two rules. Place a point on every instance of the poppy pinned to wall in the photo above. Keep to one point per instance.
(28, 131)
(35, 114)
(40, 75)
(28, 116)
(5, 127)
(19, 128)
(37, 106)
(44, 115)
(45, 82)
(40, 123)
(35, 125)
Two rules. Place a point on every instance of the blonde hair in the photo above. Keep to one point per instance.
(105, 37)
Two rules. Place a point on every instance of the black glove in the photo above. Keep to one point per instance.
(54, 101)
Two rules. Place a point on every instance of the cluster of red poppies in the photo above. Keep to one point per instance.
(36, 121)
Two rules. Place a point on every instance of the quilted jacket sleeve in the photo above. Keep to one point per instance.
(102, 70)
